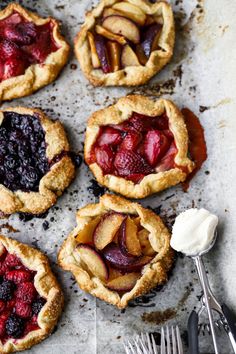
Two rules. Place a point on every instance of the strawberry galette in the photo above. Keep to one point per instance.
(137, 146)
(30, 297)
(35, 161)
(125, 42)
(32, 51)
(118, 251)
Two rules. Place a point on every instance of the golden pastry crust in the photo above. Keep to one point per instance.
(132, 75)
(117, 114)
(153, 273)
(36, 75)
(53, 183)
(46, 285)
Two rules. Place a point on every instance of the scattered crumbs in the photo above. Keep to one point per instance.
(8, 227)
(59, 7)
(157, 89)
(95, 188)
(52, 219)
(118, 337)
(178, 73)
(73, 66)
(159, 317)
(203, 108)
(55, 329)
(53, 98)
(207, 172)
(193, 204)
(85, 300)
(45, 225)
(122, 311)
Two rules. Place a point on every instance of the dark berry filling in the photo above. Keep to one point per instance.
(139, 146)
(22, 44)
(23, 160)
(20, 302)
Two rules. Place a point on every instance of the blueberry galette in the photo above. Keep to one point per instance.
(137, 146)
(32, 51)
(118, 251)
(30, 297)
(35, 163)
(125, 42)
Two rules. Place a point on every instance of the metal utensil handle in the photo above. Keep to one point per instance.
(207, 296)
(193, 333)
(231, 322)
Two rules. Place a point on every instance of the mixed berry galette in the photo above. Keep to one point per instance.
(35, 162)
(137, 147)
(32, 51)
(31, 300)
(125, 42)
(118, 251)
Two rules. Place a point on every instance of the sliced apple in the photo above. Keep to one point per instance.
(131, 11)
(107, 229)
(102, 53)
(108, 11)
(86, 234)
(141, 55)
(151, 38)
(95, 59)
(128, 239)
(146, 247)
(113, 255)
(123, 283)
(107, 34)
(122, 26)
(114, 51)
(94, 261)
(128, 57)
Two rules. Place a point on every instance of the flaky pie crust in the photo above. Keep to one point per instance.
(53, 183)
(36, 75)
(133, 75)
(153, 273)
(45, 284)
(120, 112)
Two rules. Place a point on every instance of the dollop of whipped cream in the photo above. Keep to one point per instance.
(193, 231)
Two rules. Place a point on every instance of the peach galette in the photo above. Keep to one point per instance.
(118, 251)
(35, 161)
(32, 51)
(125, 42)
(137, 146)
(30, 297)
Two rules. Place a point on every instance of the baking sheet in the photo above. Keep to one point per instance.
(201, 76)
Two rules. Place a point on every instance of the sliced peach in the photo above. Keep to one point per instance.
(128, 239)
(131, 11)
(122, 26)
(114, 50)
(94, 261)
(95, 59)
(146, 247)
(128, 57)
(137, 220)
(113, 273)
(113, 37)
(107, 229)
(123, 283)
(86, 234)
(149, 20)
(141, 55)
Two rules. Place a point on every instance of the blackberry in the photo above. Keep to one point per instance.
(15, 326)
(37, 305)
(6, 290)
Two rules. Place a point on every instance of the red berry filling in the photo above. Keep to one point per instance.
(20, 302)
(22, 44)
(139, 146)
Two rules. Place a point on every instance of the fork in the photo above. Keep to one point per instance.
(145, 343)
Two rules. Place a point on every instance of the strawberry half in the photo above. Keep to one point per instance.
(109, 136)
(9, 49)
(131, 141)
(155, 146)
(104, 157)
(162, 122)
(14, 67)
(128, 163)
(168, 161)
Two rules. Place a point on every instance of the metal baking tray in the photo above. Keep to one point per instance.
(201, 76)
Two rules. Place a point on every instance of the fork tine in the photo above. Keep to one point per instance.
(126, 348)
(139, 351)
(174, 344)
(179, 341)
(163, 345)
(131, 347)
(154, 345)
(149, 344)
(168, 340)
(143, 343)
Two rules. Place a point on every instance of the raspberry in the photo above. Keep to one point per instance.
(14, 326)
(22, 309)
(37, 305)
(3, 268)
(18, 276)
(12, 261)
(2, 305)
(26, 292)
(6, 290)
(3, 319)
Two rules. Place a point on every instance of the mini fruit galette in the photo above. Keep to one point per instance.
(125, 42)
(118, 251)
(31, 300)
(35, 163)
(137, 146)
(32, 52)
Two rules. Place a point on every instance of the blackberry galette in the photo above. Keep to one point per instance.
(118, 251)
(31, 300)
(35, 161)
(125, 42)
(32, 51)
(137, 146)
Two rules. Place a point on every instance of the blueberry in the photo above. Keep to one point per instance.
(37, 305)
(12, 147)
(11, 161)
(3, 133)
(77, 159)
(43, 167)
(15, 326)
(15, 120)
(16, 135)
(6, 290)
(3, 148)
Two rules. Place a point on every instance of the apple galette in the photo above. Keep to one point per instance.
(118, 251)
(32, 51)
(31, 300)
(125, 42)
(137, 146)
(35, 161)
